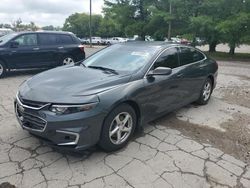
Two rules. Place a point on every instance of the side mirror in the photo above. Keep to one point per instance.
(14, 44)
(160, 71)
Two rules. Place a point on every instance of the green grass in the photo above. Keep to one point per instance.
(223, 56)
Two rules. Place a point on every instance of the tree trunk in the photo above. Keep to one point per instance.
(143, 37)
(232, 49)
(212, 47)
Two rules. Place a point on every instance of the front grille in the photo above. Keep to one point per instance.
(30, 103)
(30, 121)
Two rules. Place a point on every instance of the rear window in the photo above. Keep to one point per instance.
(189, 55)
(66, 39)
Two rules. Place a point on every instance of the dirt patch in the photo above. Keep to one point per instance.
(240, 97)
(235, 141)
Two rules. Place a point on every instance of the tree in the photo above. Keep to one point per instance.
(131, 16)
(16, 24)
(8, 26)
(214, 20)
(234, 27)
(51, 28)
(160, 18)
(78, 23)
(206, 27)
(109, 28)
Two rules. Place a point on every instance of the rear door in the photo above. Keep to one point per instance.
(49, 45)
(26, 54)
(67, 47)
(191, 73)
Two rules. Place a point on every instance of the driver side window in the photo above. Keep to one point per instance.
(169, 59)
(27, 40)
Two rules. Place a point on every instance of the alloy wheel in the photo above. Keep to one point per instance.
(207, 91)
(68, 61)
(120, 128)
(1, 69)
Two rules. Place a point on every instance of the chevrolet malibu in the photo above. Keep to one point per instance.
(103, 99)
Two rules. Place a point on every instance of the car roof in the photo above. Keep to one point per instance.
(153, 44)
(49, 32)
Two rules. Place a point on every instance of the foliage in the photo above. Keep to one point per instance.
(216, 21)
(18, 25)
(78, 23)
(51, 28)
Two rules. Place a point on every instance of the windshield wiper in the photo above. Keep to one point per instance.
(104, 69)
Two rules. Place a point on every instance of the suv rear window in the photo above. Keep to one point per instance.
(66, 39)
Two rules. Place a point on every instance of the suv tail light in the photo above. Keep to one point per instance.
(81, 48)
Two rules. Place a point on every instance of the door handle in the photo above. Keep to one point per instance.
(36, 48)
(179, 75)
(60, 47)
(202, 67)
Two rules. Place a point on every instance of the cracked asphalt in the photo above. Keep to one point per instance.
(194, 147)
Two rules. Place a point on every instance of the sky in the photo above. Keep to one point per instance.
(45, 12)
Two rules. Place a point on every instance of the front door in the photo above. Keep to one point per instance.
(163, 92)
(26, 53)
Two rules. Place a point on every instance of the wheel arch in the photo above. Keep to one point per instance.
(5, 63)
(211, 77)
(137, 109)
(131, 103)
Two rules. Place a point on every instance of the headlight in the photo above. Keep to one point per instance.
(68, 109)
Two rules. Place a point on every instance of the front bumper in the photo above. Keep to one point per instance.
(76, 131)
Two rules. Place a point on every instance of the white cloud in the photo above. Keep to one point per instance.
(45, 12)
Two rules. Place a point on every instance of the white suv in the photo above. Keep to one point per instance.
(96, 40)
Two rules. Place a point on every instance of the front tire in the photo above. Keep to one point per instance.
(118, 128)
(205, 92)
(3, 69)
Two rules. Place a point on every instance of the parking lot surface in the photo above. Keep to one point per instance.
(196, 146)
(224, 48)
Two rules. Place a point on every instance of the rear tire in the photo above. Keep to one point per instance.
(68, 60)
(3, 69)
(118, 128)
(206, 92)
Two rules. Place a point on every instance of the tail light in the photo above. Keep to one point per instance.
(81, 48)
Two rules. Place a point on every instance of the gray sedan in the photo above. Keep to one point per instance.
(103, 99)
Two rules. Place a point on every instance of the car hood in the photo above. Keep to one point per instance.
(70, 84)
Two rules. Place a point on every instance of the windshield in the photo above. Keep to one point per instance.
(6, 38)
(121, 58)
